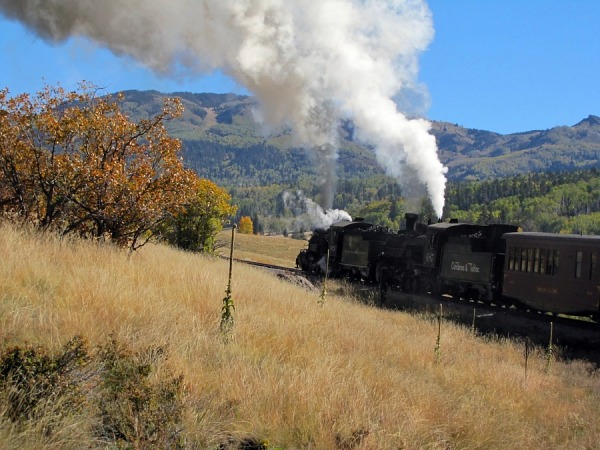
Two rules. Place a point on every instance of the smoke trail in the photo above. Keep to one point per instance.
(309, 63)
(316, 217)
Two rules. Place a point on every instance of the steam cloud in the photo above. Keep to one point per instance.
(309, 63)
(317, 216)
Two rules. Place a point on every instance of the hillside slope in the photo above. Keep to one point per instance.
(222, 141)
(476, 154)
(296, 374)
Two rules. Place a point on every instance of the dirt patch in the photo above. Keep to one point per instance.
(298, 280)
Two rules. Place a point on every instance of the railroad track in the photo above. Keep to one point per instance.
(406, 299)
(573, 337)
(265, 265)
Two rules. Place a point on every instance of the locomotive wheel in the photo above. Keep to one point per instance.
(454, 291)
(435, 286)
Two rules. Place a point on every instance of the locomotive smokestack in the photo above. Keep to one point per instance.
(411, 221)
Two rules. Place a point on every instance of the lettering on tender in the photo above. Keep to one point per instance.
(467, 267)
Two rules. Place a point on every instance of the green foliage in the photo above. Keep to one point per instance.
(553, 202)
(195, 227)
(134, 406)
(136, 411)
(227, 319)
(377, 212)
(34, 382)
(222, 142)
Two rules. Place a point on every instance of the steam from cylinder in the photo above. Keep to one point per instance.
(310, 215)
(309, 63)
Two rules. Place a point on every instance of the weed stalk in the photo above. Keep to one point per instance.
(527, 352)
(323, 294)
(438, 342)
(227, 319)
(550, 350)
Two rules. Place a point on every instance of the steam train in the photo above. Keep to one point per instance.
(491, 263)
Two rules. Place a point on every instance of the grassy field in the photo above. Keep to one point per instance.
(294, 375)
(276, 250)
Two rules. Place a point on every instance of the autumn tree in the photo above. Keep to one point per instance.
(245, 225)
(75, 163)
(195, 226)
(24, 192)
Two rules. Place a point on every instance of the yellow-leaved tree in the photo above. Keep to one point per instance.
(245, 226)
(75, 163)
(194, 227)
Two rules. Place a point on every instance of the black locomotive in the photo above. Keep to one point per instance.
(491, 263)
(353, 248)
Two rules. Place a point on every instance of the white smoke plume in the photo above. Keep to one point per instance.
(309, 63)
(309, 214)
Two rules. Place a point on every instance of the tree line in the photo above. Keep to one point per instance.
(74, 163)
(559, 202)
(567, 202)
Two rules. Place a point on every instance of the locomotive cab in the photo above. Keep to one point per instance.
(352, 248)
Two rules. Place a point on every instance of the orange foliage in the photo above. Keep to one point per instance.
(75, 163)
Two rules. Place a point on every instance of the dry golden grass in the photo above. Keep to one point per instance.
(299, 375)
(276, 250)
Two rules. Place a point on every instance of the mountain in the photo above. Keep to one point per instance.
(477, 154)
(221, 141)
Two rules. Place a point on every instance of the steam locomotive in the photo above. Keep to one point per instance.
(491, 263)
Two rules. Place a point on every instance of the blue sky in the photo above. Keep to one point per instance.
(513, 65)
(499, 65)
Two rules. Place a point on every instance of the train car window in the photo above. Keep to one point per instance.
(530, 260)
(433, 241)
(555, 262)
(543, 261)
(517, 258)
(578, 261)
(536, 261)
(550, 262)
(593, 264)
(523, 259)
(511, 258)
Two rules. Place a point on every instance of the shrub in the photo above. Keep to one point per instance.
(34, 383)
(132, 406)
(134, 412)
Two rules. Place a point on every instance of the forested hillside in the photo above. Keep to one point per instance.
(543, 180)
(567, 202)
(223, 142)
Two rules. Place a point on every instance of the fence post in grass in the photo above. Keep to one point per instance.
(228, 307)
(550, 350)
(473, 324)
(438, 343)
(323, 294)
